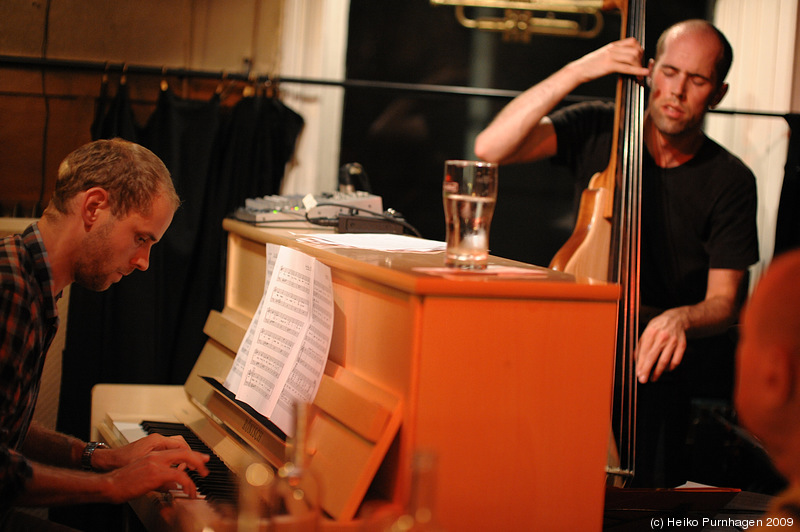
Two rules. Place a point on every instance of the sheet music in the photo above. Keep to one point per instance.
(235, 374)
(302, 382)
(283, 355)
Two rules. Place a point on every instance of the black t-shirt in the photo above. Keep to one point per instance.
(696, 216)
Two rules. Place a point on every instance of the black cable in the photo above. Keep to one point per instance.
(322, 222)
(331, 222)
(334, 221)
(267, 222)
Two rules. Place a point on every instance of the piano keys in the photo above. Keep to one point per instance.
(220, 485)
(506, 379)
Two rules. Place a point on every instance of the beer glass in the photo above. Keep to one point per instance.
(469, 193)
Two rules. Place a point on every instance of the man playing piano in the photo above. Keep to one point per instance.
(698, 217)
(113, 201)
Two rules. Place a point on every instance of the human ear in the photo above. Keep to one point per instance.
(779, 376)
(721, 92)
(92, 204)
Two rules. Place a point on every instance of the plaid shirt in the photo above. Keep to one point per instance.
(28, 323)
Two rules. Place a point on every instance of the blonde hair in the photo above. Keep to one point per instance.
(131, 174)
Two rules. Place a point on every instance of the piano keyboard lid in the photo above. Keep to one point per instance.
(352, 422)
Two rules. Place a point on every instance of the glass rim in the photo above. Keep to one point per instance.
(467, 162)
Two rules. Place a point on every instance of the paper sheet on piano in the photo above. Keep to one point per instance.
(282, 356)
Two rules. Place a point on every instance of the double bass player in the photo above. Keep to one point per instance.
(698, 218)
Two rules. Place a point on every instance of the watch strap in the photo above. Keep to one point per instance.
(88, 451)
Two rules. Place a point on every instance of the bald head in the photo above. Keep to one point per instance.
(724, 56)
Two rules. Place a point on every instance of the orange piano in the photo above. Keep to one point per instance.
(506, 378)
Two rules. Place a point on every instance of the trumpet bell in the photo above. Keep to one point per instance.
(519, 19)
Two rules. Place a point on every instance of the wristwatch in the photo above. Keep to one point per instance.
(88, 451)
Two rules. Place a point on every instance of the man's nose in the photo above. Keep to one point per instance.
(679, 87)
(141, 260)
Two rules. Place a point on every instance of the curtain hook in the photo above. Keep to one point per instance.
(221, 84)
(276, 86)
(270, 88)
(164, 84)
(250, 89)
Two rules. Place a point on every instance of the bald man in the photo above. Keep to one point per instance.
(698, 219)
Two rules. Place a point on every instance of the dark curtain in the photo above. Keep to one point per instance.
(787, 232)
(148, 328)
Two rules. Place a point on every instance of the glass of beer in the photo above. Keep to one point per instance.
(469, 193)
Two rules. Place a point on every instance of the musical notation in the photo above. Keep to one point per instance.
(257, 382)
(315, 345)
(267, 363)
(290, 301)
(274, 343)
(282, 357)
(294, 279)
(302, 383)
(283, 321)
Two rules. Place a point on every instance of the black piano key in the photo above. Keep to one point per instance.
(219, 486)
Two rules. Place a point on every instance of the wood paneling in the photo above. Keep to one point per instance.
(210, 35)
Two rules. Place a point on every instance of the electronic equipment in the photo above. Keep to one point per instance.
(288, 208)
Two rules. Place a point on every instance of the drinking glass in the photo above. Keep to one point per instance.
(469, 193)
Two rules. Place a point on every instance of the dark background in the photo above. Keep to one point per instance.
(403, 139)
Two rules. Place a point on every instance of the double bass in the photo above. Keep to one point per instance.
(605, 244)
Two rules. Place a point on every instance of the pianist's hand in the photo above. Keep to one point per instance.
(108, 459)
(160, 469)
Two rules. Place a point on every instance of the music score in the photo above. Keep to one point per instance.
(283, 354)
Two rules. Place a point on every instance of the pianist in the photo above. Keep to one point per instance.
(113, 201)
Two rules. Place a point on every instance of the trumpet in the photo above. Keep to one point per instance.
(522, 18)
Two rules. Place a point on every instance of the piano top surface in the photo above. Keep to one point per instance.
(402, 270)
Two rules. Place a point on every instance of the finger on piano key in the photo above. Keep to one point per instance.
(130, 431)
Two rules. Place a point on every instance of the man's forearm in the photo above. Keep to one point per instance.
(53, 448)
(516, 136)
(720, 309)
(504, 140)
(51, 486)
(710, 317)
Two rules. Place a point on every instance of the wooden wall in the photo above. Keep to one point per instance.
(46, 112)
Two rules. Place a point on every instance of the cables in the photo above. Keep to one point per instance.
(390, 216)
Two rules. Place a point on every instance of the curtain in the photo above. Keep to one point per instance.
(148, 327)
(787, 232)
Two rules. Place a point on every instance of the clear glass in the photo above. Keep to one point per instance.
(286, 499)
(419, 515)
(295, 495)
(469, 194)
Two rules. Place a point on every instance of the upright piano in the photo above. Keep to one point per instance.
(506, 379)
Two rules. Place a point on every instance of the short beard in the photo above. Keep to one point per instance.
(89, 268)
